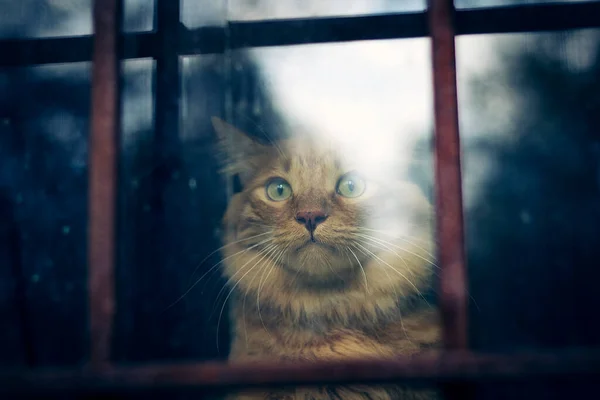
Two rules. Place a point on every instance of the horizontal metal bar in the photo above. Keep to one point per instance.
(419, 369)
(19, 52)
(528, 18)
(296, 31)
(207, 40)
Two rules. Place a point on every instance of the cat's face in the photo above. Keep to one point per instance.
(313, 209)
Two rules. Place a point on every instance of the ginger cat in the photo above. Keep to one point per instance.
(326, 259)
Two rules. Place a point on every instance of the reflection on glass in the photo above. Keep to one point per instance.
(207, 12)
(375, 96)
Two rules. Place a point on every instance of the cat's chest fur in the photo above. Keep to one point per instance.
(274, 340)
(273, 335)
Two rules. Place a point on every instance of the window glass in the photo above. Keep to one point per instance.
(529, 109)
(52, 18)
(44, 114)
(206, 12)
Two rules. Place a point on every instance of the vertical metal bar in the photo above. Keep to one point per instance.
(103, 170)
(167, 75)
(158, 229)
(449, 207)
(448, 177)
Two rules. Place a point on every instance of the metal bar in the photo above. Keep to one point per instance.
(421, 369)
(103, 178)
(34, 51)
(208, 40)
(167, 76)
(18, 312)
(323, 30)
(156, 229)
(449, 210)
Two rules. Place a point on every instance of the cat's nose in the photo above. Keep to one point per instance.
(311, 219)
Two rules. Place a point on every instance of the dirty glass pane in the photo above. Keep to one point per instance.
(50, 18)
(206, 12)
(43, 191)
(531, 155)
(494, 3)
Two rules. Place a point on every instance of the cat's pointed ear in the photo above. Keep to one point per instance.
(240, 154)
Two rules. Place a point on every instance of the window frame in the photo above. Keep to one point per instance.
(166, 44)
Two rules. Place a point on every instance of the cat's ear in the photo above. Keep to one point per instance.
(240, 153)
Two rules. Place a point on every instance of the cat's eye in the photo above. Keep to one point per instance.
(278, 189)
(351, 185)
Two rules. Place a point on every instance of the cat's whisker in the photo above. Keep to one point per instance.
(227, 284)
(225, 246)
(264, 267)
(395, 270)
(373, 242)
(232, 278)
(214, 272)
(435, 265)
(257, 224)
(213, 268)
(384, 270)
(264, 253)
(261, 284)
(404, 239)
(384, 242)
(395, 293)
(297, 272)
(362, 269)
(378, 246)
(239, 253)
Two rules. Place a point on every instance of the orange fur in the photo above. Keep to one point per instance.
(353, 292)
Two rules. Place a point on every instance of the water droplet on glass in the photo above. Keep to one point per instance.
(525, 217)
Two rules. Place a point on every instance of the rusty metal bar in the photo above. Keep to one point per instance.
(448, 193)
(103, 178)
(208, 40)
(448, 185)
(417, 370)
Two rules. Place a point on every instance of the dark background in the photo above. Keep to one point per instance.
(532, 230)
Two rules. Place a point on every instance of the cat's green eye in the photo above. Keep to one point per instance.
(278, 190)
(351, 185)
